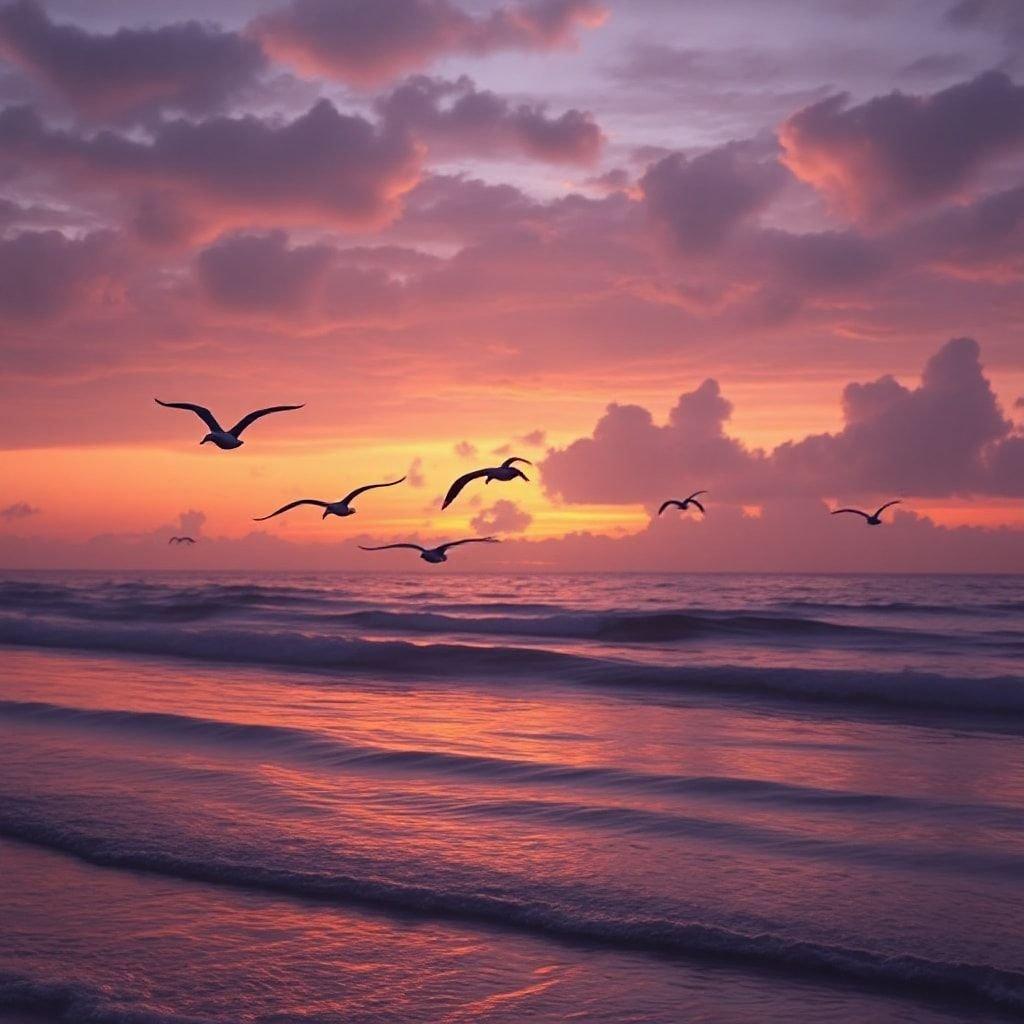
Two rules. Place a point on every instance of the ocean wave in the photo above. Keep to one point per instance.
(1002, 695)
(618, 627)
(309, 747)
(74, 1001)
(981, 983)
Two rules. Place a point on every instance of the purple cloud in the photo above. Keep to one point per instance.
(503, 516)
(947, 436)
(19, 510)
(700, 200)
(189, 66)
(456, 117)
(43, 273)
(321, 166)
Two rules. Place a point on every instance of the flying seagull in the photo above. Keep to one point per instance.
(873, 519)
(331, 508)
(182, 540)
(225, 439)
(506, 471)
(684, 504)
(435, 555)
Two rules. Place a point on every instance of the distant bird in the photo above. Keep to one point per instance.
(331, 508)
(873, 519)
(435, 555)
(225, 439)
(182, 540)
(506, 471)
(684, 504)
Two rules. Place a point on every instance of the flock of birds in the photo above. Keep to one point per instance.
(227, 440)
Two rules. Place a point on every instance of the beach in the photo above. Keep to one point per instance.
(341, 797)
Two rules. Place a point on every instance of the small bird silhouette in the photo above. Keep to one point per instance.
(225, 439)
(342, 507)
(684, 504)
(873, 519)
(506, 471)
(435, 555)
(182, 540)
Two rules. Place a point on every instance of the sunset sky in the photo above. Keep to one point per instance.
(774, 251)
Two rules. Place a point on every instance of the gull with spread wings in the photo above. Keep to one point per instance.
(684, 504)
(506, 471)
(435, 555)
(182, 540)
(225, 439)
(342, 507)
(874, 519)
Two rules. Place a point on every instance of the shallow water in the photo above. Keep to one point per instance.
(470, 798)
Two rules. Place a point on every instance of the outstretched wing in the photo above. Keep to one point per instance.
(855, 511)
(694, 495)
(453, 491)
(895, 501)
(203, 413)
(368, 487)
(515, 458)
(291, 504)
(388, 547)
(694, 501)
(246, 421)
(669, 504)
(174, 540)
(468, 540)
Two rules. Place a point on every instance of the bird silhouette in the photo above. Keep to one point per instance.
(225, 439)
(684, 504)
(872, 519)
(506, 471)
(435, 555)
(341, 507)
(182, 540)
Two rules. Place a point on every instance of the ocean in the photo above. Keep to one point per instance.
(453, 798)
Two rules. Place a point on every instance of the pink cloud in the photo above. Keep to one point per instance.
(897, 152)
(323, 166)
(367, 42)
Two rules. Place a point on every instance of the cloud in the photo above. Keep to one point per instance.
(322, 167)
(19, 510)
(947, 436)
(502, 517)
(536, 438)
(189, 66)
(260, 273)
(414, 474)
(454, 117)
(43, 274)
(700, 200)
(367, 42)
(465, 450)
(896, 152)
(629, 459)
